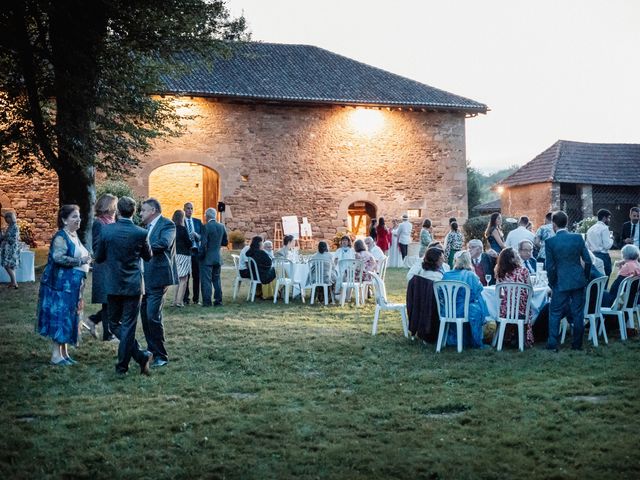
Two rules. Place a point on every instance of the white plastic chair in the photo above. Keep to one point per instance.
(620, 307)
(382, 267)
(382, 303)
(352, 278)
(446, 295)
(592, 314)
(512, 292)
(238, 280)
(631, 308)
(284, 278)
(317, 275)
(255, 279)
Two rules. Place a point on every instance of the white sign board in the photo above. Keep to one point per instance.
(305, 228)
(290, 226)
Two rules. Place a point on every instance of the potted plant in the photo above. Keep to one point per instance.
(236, 237)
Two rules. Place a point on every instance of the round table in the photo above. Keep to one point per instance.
(539, 300)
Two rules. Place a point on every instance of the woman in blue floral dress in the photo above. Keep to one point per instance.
(60, 301)
(10, 248)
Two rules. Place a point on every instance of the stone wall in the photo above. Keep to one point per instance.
(34, 199)
(314, 162)
(533, 200)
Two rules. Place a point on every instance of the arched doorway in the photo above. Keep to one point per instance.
(359, 217)
(175, 184)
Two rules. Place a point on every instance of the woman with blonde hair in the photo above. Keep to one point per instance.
(105, 210)
(463, 272)
(10, 248)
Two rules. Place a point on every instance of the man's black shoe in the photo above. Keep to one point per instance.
(146, 364)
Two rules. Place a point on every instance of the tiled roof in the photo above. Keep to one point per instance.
(307, 74)
(492, 206)
(578, 162)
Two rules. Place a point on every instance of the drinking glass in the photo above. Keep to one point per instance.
(534, 280)
(487, 279)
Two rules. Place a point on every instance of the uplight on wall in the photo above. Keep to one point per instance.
(366, 121)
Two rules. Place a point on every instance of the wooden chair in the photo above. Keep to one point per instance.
(446, 295)
(382, 303)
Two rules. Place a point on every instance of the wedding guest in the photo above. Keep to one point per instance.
(60, 301)
(404, 235)
(329, 273)
(194, 228)
(494, 234)
(285, 251)
(243, 265)
(214, 236)
(121, 249)
(509, 269)
(10, 248)
(463, 272)
(266, 272)
(267, 245)
(183, 257)
(599, 239)
(627, 267)
(345, 252)
(395, 259)
(374, 250)
(483, 263)
(631, 229)
(105, 210)
(430, 266)
(520, 233)
(453, 243)
(525, 252)
(373, 232)
(383, 236)
(368, 262)
(425, 237)
(160, 272)
(544, 233)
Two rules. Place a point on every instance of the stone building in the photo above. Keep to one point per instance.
(298, 130)
(579, 178)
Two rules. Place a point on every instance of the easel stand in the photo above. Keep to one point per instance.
(277, 235)
(306, 242)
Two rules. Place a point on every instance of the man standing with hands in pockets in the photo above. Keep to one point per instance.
(194, 228)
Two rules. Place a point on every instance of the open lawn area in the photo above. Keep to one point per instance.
(256, 391)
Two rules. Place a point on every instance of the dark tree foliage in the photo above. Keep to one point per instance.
(473, 188)
(77, 78)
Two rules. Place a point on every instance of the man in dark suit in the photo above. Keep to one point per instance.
(567, 279)
(483, 263)
(631, 229)
(213, 237)
(119, 248)
(159, 273)
(525, 251)
(194, 228)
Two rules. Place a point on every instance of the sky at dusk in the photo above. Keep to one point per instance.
(548, 70)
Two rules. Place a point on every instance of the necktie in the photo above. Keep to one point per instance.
(633, 231)
(189, 226)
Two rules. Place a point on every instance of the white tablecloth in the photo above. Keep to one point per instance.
(300, 273)
(537, 302)
(25, 271)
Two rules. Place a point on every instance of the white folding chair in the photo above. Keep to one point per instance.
(284, 278)
(352, 278)
(631, 308)
(512, 292)
(255, 279)
(620, 307)
(592, 314)
(382, 303)
(382, 267)
(319, 271)
(446, 295)
(238, 280)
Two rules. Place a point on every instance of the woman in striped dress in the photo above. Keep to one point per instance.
(183, 257)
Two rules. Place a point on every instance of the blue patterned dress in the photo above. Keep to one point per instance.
(10, 248)
(61, 285)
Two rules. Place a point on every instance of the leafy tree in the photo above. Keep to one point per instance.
(76, 79)
(473, 188)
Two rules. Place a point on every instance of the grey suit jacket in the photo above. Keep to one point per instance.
(118, 250)
(562, 261)
(161, 270)
(214, 236)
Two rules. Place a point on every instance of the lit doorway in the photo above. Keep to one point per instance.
(175, 184)
(359, 218)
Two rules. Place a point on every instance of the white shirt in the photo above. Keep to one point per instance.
(598, 238)
(516, 236)
(188, 222)
(428, 274)
(242, 261)
(377, 252)
(151, 225)
(404, 232)
(79, 252)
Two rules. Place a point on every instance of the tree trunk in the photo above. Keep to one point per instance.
(77, 38)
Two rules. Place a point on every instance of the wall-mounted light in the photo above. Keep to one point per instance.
(367, 121)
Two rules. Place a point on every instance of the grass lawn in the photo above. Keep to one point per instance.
(258, 391)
